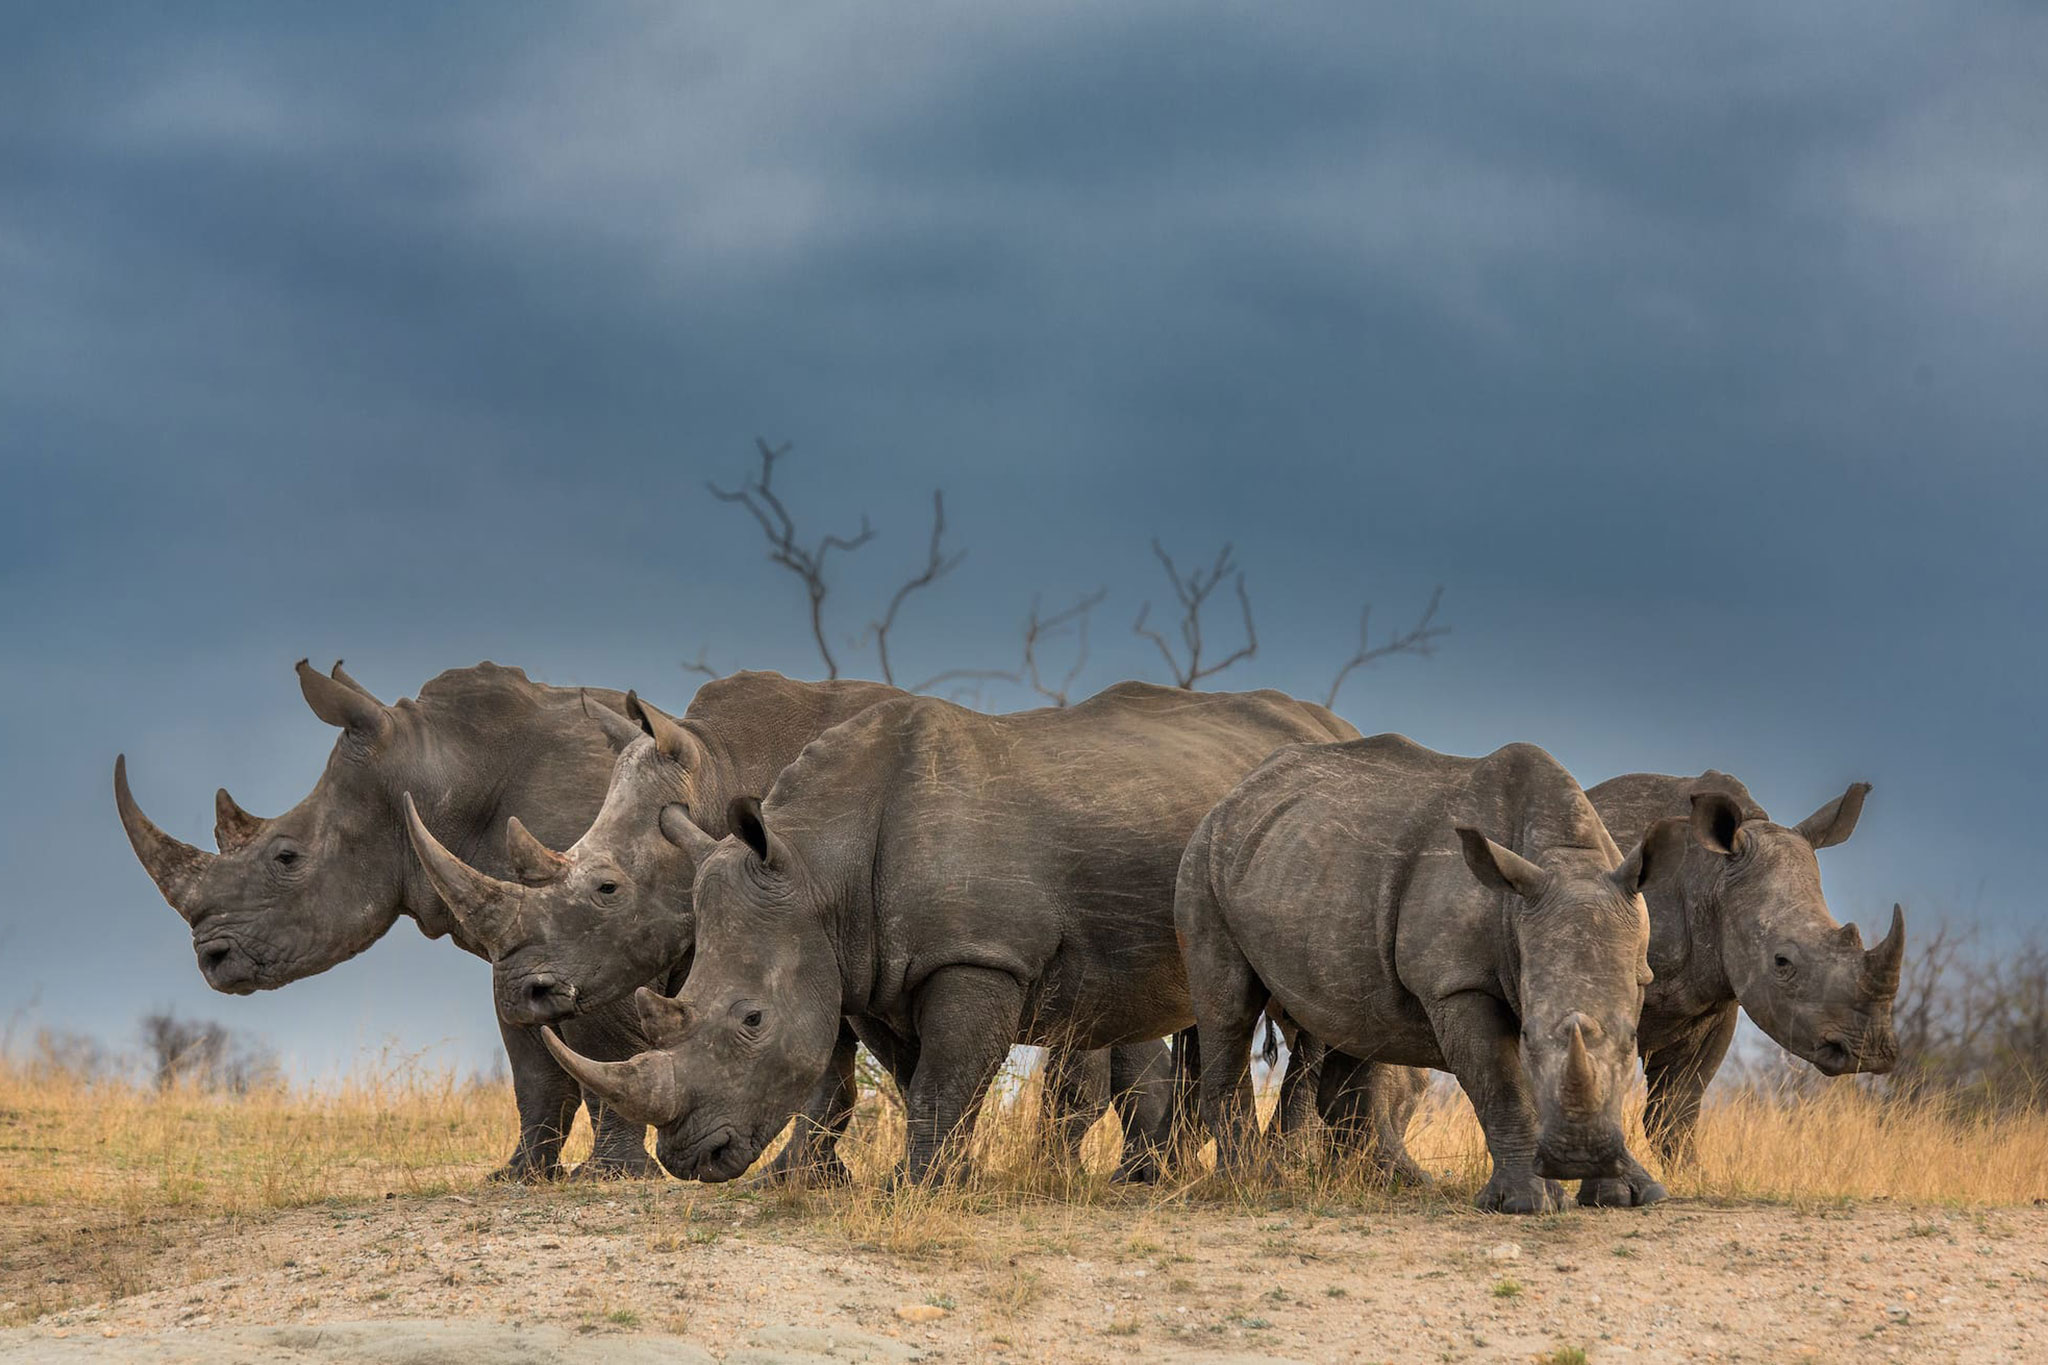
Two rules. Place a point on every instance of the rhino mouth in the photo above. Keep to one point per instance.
(227, 967)
(537, 998)
(1840, 1056)
(722, 1154)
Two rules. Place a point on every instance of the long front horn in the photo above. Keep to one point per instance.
(1581, 1088)
(533, 862)
(1881, 965)
(483, 906)
(643, 1088)
(171, 863)
(232, 826)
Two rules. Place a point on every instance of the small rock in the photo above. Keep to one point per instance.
(1898, 1312)
(920, 1312)
(1504, 1251)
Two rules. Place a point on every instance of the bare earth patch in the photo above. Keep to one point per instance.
(1162, 1277)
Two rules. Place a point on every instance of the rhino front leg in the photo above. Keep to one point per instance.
(1678, 1076)
(618, 1149)
(1141, 1087)
(967, 1018)
(1480, 1042)
(1296, 1109)
(547, 1100)
(1074, 1091)
(1367, 1106)
(812, 1153)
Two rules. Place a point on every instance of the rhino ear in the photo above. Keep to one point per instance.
(1662, 846)
(1716, 822)
(744, 815)
(341, 676)
(666, 731)
(341, 705)
(679, 829)
(1501, 868)
(1835, 821)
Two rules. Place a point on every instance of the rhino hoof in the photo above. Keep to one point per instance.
(1620, 1193)
(615, 1168)
(1139, 1170)
(827, 1170)
(518, 1171)
(1530, 1195)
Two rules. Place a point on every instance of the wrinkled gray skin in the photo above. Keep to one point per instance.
(1739, 919)
(955, 884)
(1356, 885)
(579, 930)
(291, 896)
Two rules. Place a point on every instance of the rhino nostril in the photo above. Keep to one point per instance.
(212, 958)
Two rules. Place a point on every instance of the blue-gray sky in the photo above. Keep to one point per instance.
(1698, 353)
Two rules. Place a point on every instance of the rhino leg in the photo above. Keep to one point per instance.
(1480, 1041)
(1678, 1077)
(1296, 1110)
(1229, 1001)
(812, 1153)
(547, 1100)
(1074, 1093)
(618, 1149)
(1367, 1107)
(1141, 1087)
(967, 1017)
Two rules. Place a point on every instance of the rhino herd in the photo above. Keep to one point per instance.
(695, 921)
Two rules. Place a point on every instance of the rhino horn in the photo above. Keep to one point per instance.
(232, 826)
(1581, 1087)
(171, 863)
(482, 905)
(643, 1089)
(533, 862)
(618, 731)
(340, 704)
(667, 732)
(1881, 965)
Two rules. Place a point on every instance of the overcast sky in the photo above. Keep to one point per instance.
(1697, 351)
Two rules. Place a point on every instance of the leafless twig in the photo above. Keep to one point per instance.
(1193, 590)
(1419, 638)
(937, 566)
(1037, 630)
(701, 664)
(807, 564)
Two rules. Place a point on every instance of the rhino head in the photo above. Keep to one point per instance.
(1581, 942)
(577, 930)
(735, 1053)
(293, 895)
(1807, 981)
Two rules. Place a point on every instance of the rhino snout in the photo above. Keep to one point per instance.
(1581, 1152)
(1839, 1054)
(226, 967)
(537, 998)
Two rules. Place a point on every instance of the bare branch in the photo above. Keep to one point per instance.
(760, 500)
(701, 664)
(1193, 589)
(1419, 639)
(1037, 630)
(937, 566)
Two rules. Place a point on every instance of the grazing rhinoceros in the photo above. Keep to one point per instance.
(291, 896)
(955, 884)
(1354, 883)
(1737, 919)
(580, 929)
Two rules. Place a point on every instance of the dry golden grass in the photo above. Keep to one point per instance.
(135, 1151)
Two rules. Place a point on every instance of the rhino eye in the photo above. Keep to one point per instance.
(753, 1019)
(606, 888)
(286, 857)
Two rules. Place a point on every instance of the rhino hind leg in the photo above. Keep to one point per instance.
(1074, 1095)
(1142, 1086)
(547, 1100)
(1295, 1113)
(1229, 1000)
(1677, 1078)
(1367, 1107)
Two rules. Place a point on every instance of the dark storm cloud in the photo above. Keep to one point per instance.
(1697, 351)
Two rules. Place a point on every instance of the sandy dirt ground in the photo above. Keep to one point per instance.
(634, 1273)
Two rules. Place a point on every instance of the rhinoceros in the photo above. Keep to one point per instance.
(953, 883)
(581, 929)
(1356, 884)
(1738, 919)
(480, 749)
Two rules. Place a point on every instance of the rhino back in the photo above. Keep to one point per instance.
(1044, 843)
(1631, 803)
